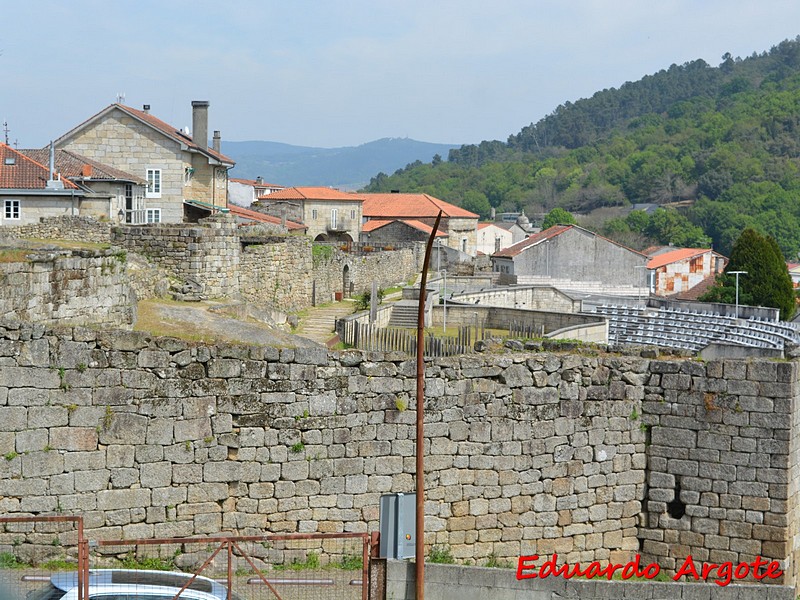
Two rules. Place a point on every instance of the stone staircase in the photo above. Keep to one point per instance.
(404, 314)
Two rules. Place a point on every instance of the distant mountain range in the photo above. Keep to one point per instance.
(346, 168)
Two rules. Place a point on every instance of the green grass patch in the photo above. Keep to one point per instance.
(9, 561)
(441, 555)
(152, 563)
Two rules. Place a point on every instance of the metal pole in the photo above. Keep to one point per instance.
(737, 273)
(419, 534)
(444, 295)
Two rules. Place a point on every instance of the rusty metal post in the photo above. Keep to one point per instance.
(419, 550)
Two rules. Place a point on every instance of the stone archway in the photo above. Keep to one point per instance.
(346, 281)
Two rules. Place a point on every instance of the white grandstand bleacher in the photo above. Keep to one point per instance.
(691, 329)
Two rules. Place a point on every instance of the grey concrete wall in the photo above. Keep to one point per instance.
(445, 582)
(583, 257)
(531, 298)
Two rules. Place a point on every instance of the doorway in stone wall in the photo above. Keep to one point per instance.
(346, 282)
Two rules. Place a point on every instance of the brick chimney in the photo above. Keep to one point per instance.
(200, 123)
(217, 145)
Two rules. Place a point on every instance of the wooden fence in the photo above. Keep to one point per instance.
(389, 339)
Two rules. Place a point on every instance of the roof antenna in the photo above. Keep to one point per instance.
(120, 97)
(6, 130)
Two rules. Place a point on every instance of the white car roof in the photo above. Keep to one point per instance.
(142, 582)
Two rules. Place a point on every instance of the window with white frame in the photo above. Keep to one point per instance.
(334, 215)
(11, 210)
(153, 183)
(153, 215)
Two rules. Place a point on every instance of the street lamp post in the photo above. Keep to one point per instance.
(737, 273)
(444, 296)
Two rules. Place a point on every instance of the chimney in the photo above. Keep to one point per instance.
(86, 170)
(217, 145)
(259, 180)
(146, 109)
(53, 183)
(200, 123)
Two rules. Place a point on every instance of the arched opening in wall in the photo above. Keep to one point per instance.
(321, 238)
(676, 508)
(346, 281)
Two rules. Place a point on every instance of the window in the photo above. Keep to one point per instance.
(188, 172)
(153, 183)
(314, 214)
(11, 209)
(334, 214)
(153, 215)
(353, 214)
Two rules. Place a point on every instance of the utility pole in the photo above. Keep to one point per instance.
(737, 273)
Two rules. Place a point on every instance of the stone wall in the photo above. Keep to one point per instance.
(76, 229)
(525, 453)
(276, 273)
(207, 254)
(68, 287)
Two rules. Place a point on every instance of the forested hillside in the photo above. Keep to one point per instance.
(722, 142)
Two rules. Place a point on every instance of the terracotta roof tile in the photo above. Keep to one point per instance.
(25, 173)
(374, 224)
(173, 132)
(311, 193)
(411, 206)
(674, 256)
(71, 165)
(255, 215)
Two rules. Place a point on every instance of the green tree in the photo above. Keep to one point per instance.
(767, 282)
(558, 216)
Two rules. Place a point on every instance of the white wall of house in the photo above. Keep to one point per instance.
(491, 239)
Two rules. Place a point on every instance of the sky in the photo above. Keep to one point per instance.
(333, 73)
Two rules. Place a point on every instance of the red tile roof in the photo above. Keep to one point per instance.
(165, 128)
(254, 215)
(374, 224)
(70, 164)
(675, 256)
(25, 173)
(173, 132)
(411, 206)
(311, 193)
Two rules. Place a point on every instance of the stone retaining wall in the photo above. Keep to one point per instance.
(526, 453)
(68, 287)
(76, 229)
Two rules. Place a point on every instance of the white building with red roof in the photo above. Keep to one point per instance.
(459, 224)
(186, 179)
(243, 192)
(29, 190)
(493, 238)
(678, 270)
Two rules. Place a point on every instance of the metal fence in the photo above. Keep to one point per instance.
(296, 566)
(33, 548)
(390, 339)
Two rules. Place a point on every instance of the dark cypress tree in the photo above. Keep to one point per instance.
(766, 282)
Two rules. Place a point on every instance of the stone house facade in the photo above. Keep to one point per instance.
(386, 232)
(329, 215)
(185, 178)
(107, 190)
(459, 224)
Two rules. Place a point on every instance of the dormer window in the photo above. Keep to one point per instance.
(9, 161)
